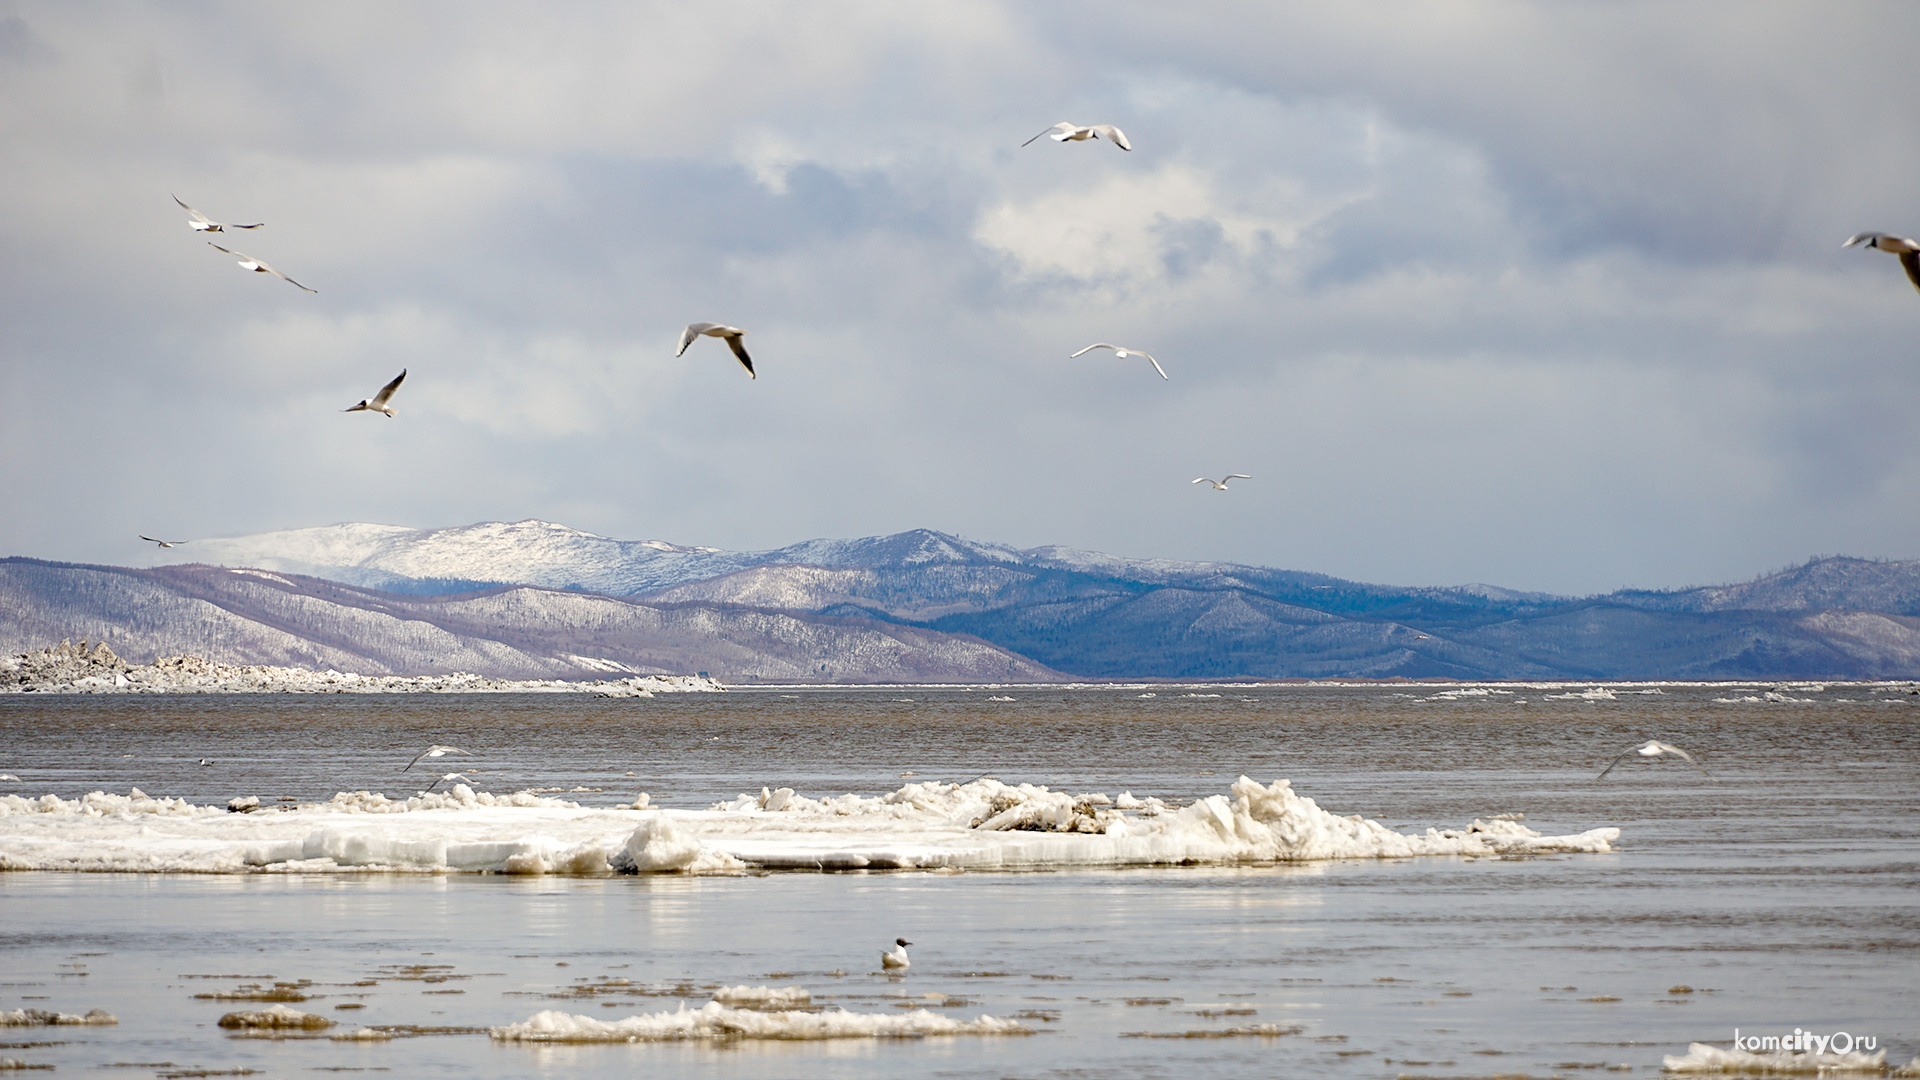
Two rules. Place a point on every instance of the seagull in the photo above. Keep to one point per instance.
(1654, 748)
(436, 750)
(204, 761)
(1220, 485)
(164, 543)
(1068, 131)
(200, 222)
(248, 262)
(897, 959)
(448, 778)
(1123, 353)
(714, 329)
(379, 404)
(1908, 250)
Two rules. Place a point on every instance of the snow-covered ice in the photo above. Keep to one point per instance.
(1704, 1058)
(48, 1018)
(981, 825)
(716, 1021)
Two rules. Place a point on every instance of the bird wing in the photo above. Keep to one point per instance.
(1616, 761)
(1156, 366)
(229, 251)
(1911, 260)
(1861, 238)
(1671, 749)
(424, 753)
(197, 215)
(1238, 476)
(1096, 345)
(283, 277)
(162, 543)
(1064, 125)
(740, 350)
(1113, 134)
(387, 390)
(1201, 480)
(692, 331)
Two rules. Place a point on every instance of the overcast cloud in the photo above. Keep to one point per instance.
(1545, 295)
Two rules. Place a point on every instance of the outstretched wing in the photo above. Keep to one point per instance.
(1238, 476)
(740, 350)
(1911, 260)
(1113, 135)
(1201, 480)
(195, 214)
(1064, 125)
(692, 331)
(229, 251)
(1616, 761)
(386, 391)
(1671, 749)
(1861, 238)
(1095, 345)
(283, 277)
(1156, 366)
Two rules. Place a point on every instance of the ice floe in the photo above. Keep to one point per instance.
(48, 1018)
(82, 669)
(1704, 1058)
(717, 1021)
(276, 1018)
(980, 825)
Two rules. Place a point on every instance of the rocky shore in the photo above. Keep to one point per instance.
(67, 668)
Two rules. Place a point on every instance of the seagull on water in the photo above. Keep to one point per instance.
(164, 543)
(897, 959)
(1908, 250)
(449, 778)
(1221, 485)
(1654, 748)
(434, 751)
(1122, 353)
(248, 262)
(200, 222)
(379, 403)
(719, 330)
(1068, 131)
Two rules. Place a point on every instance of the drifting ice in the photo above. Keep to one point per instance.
(716, 1021)
(981, 825)
(1703, 1058)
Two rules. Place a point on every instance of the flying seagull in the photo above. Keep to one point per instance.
(379, 405)
(163, 543)
(1122, 353)
(449, 778)
(1654, 748)
(436, 750)
(714, 329)
(200, 222)
(248, 262)
(1068, 131)
(1908, 250)
(897, 959)
(1221, 485)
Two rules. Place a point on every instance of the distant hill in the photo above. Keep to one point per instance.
(1086, 614)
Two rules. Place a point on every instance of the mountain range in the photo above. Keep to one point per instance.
(534, 599)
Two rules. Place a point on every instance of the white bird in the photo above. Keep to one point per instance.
(1908, 250)
(1221, 485)
(449, 777)
(379, 403)
(1122, 353)
(1068, 131)
(897, 959)
(434, 751)
(200, 222)
(248, 262)
(164, 543)
(719, 330)
(1654, 748)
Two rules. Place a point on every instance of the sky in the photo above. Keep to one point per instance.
(1543, 295)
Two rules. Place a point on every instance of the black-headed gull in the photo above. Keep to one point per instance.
(1068, 131)
(1654, 748)
(436, 750)
(163, 543)
(200, 222)
(719, 330)
(378, 404)
(1221, 485)
(897, 959)
(248, 262)
(1908, 250)
(1122, 352)
(449, 778)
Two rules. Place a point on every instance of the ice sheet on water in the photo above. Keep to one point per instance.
(761, 997)
(717, 1021)
(1703, 1058)
(983, 824)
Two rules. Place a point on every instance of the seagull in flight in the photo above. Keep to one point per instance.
(1068, 131)
(434, 751)
(248, 262)
(1654, 748)
(449, 778)
(379, 404)
(1220, 485)
(200, 222)
(1908, 250)
(719, 330)
(164, 543)
(897, 959)
(1123, 353)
